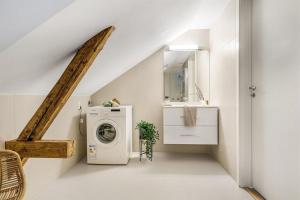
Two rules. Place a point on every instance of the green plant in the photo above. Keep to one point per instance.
(149, 135)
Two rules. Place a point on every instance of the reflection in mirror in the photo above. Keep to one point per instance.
(186, 76)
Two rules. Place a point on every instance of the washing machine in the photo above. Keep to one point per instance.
(109, 135)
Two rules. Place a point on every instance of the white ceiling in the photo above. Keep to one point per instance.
(19, 17)
(33, 64)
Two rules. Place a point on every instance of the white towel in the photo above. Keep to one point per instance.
(190, 116)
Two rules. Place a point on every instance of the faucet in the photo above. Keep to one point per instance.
(199, 92)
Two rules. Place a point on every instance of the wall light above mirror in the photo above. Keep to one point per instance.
(186, 74)
(190, 47)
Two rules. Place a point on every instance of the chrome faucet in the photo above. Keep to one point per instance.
(199, 93)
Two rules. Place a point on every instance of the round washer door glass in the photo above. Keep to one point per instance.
(106, 133)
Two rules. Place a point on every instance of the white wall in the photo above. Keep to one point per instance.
(203, 73)
(16, 110)
(224, 85)
(276, 114)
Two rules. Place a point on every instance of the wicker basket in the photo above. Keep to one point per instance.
(12, 184)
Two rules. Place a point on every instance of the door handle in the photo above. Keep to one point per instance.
(252, 88)
(187, 135)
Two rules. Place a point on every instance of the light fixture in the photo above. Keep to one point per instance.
(189, 47)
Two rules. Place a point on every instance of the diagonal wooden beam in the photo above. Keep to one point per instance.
(60, 93)
(29, 143)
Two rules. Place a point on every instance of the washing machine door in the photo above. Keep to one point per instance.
(107, 133)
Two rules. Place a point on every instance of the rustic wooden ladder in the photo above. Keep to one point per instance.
(29, 143)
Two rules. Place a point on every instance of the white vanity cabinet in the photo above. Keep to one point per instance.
(205, 131)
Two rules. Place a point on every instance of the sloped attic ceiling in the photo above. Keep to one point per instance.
(20, 17)
(33, 64)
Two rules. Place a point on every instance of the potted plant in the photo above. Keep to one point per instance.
(148, 135)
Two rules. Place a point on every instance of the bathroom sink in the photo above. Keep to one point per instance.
(183, 104)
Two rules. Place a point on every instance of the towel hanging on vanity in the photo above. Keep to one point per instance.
(190, 116)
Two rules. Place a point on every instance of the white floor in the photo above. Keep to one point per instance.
(168, 177)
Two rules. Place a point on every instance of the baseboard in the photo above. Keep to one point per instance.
(135, 154)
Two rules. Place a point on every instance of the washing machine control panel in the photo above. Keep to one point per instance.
(112, 112)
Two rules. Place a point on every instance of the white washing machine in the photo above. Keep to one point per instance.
(109, 135)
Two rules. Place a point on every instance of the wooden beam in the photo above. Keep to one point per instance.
(42, 148)
(60, 93)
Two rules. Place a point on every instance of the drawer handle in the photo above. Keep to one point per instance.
(183, 117)
(187, 135)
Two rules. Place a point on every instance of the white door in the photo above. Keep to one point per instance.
(276, 106)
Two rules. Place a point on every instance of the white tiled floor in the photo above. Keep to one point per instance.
(168, 177)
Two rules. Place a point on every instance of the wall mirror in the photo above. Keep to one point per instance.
(186, 75)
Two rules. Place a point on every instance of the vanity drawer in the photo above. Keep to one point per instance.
(191, 135)
(205, 116)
